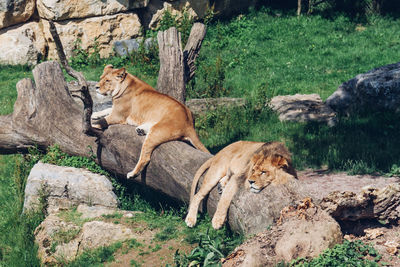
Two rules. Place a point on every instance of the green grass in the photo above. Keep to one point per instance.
(17, 246)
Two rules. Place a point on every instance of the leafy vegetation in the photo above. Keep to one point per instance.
(347, 254)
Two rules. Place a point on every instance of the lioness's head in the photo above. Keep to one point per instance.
(270, 164)
(110, 80)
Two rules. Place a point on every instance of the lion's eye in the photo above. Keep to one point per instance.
(263, 172)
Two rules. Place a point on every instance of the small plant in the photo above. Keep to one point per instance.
(96, 257)
(82, 57)
(347, 254)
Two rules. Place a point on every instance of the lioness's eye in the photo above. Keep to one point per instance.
(263, 172)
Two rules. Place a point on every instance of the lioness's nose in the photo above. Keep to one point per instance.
(97, 86)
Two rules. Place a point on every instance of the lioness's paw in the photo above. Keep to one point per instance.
(97, 126)
(132, 175)
(220, 188)
(217, 222)
(140, 131)
(190, 222)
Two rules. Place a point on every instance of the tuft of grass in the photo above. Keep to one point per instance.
(96, 257)
(346, 254)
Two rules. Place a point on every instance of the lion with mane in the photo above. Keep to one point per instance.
(254, 165)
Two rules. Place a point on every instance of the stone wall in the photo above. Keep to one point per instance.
(24, 26)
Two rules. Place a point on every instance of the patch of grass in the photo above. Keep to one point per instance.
(346, 254)
(96, 257)
(16, 239)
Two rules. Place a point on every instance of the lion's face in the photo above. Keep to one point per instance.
(266, 170)
(110, 80)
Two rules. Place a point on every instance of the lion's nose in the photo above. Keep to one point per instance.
(251, 182)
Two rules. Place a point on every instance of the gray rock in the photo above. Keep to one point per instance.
(125, 47)
(303, 108)
(65, 187)
(377, 89)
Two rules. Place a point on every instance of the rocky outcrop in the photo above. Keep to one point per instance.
(371, 203)
(303, 108)
(66, 187)
(15, 11)
(60, 238)
(77, 9)
(377, 89)
(156, 9)
(22, 44)
(102, 30)
(303, 230)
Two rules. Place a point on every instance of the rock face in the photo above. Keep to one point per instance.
(303, 108)
(15, 11)
(303, 230)
(377, 89)
(103, 30)
(156, 9)
(66, 187)
(58, 238)
(22, 44)
(72, 9)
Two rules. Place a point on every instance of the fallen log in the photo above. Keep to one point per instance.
(45, 114)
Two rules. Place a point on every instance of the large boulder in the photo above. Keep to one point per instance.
(71, 9)
(66, 187)
(22, 44)
(15, 11)
(303, 230)
(102, 30)
(377, 89)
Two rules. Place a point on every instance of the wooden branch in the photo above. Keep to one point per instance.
(192, 49)
(86, 98)
(171, 76)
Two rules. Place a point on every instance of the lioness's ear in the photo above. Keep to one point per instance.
(120, 74)
(279, 161)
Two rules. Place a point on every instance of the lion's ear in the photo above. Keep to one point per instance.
(279, 161)
(120, 74)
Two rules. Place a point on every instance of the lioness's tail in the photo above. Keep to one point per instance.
(197, 176)
(193, 138)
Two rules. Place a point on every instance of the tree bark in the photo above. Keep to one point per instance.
(177, 67)
(192, 49)
(171, 79)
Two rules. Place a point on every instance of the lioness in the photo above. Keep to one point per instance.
(252, 164)
(158, 116)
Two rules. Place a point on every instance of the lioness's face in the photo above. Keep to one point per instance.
(109, 80)
(266, 170)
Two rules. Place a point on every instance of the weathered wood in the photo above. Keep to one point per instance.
(83, 94)
(171, 79)
(192, 49)
(177, 67)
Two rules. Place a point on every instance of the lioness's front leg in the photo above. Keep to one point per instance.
(224, 202)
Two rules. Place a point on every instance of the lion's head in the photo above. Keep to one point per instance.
(110, 81)
(271, 163)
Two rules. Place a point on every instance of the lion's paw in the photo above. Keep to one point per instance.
(217, 223)
(190, 222)
(140, 131)
(97, 126)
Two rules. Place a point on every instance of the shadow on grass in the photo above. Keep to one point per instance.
(360, 144)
